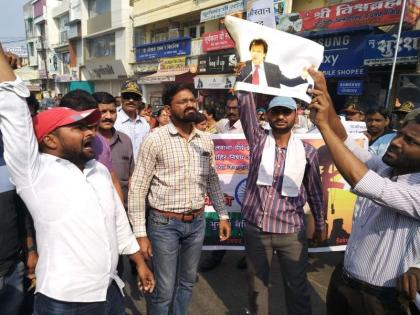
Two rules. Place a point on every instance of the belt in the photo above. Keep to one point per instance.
(380, 292)
(187, 216)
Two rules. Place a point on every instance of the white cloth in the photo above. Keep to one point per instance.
(294, 168)
(223, 126)
(135, 130)
(80, 222)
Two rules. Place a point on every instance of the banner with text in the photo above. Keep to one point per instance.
(232, 160)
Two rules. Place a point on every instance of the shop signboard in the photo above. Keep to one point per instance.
(218, 81)
(380, 49)
(217, 40)
(147, 67)
(171, 48)
(350, 87)
(172, 63)
(222, 10)
(217, 63)
(350, 14)
(105, 70)
(343, 55)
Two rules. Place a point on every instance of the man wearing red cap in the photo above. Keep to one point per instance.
(79, 219)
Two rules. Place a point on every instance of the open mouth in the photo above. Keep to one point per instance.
(88, 144)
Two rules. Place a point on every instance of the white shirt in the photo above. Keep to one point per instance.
(80, 222)
(136, 130)
(385, 238)
(223, 126)
(261, 74)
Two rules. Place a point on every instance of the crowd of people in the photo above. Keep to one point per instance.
(99, 177)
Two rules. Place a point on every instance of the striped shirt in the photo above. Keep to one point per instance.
(175, 175)
(265, 206)
(385, 238)
(136, 130)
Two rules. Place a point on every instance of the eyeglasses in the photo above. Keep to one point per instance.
(131, 96)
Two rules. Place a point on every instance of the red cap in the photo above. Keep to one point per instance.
(47, 121)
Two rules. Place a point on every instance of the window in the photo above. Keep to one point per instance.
(63, 28)
(139, 36)
(159, 35)
(103, 46)
(195, 31)
(98, 7)
(31, 49)
(65, 58)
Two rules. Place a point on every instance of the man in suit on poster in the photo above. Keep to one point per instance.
(259, 72)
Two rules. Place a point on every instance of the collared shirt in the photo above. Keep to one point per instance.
(223, 126)
(136, 130)
(385, 238)
(264, 206)
(175, 175)
(81, 225)
(380, 145)
(122, 159)
(102, 151)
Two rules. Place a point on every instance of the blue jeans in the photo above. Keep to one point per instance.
(114, 305)
(176, 252)
(11, 290)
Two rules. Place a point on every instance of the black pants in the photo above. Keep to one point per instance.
(344, 298)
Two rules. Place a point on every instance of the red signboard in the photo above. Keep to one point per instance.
(217, 40)
(354, 13)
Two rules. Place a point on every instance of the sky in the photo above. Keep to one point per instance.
(11, 19)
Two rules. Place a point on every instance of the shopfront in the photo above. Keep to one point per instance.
(108, 76)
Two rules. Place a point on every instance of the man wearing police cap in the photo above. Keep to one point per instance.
(128, 120)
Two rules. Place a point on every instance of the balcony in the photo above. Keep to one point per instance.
(99, 23)
(74, 31)
(75, 11)
(61, 9)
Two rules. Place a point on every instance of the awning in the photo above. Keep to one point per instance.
(317, 33)
(162, 76)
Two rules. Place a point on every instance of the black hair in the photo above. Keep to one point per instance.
(159, 112)
(380, 110)
(171, 90)
(259, 41)
(231, 97)
(32, 101)
(213, 110)
(103, 98)
(200, 118)
(78, 100)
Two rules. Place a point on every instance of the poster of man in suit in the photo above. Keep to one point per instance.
(271, 61)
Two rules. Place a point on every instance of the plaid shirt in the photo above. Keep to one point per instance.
(175, 175)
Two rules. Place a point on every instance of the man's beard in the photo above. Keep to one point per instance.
(190, 117)
(79, 158)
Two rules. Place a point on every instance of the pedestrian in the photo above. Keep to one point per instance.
(80, 222)
(353, 112)
(81, 100)
(119, 142)
(163, 118)
(400, 112)
(283, 175)
(385, 237)
(128, 120)
(201, 122)
(174, 172)
(212, 118)
(378, 131)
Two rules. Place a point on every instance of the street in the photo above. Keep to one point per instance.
(224, 289)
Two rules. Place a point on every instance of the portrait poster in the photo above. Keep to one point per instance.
(274, 62)
(232, 160)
